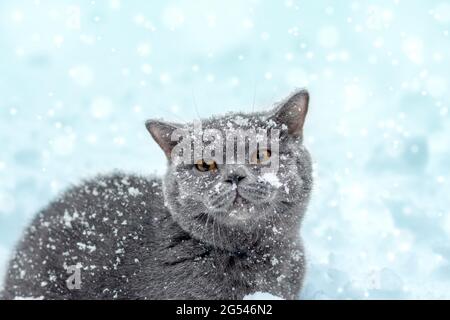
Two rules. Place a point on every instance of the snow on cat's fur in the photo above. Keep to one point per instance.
(220, 234)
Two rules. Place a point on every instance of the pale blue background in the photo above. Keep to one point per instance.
(79, 78)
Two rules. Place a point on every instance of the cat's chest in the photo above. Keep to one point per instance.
(202, 272)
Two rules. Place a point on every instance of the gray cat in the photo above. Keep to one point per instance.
(206, 231)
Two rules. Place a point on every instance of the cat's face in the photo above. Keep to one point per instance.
(262, 185)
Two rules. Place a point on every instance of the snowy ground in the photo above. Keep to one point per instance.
(78, 81)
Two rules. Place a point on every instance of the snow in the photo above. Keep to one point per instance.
(271, 178)
(261, 296)
(78, 82)
(87, 248)
(29, 298)
(134, 192)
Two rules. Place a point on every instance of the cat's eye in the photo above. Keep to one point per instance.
(261, 156)
(204, 166)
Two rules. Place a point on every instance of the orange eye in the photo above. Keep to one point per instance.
(261, 156)
(204, 166)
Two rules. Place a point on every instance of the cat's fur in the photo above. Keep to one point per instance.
(180, 238)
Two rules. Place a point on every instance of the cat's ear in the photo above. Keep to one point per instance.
(162, 133)
(292, 112)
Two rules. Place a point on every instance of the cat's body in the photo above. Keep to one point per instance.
(135, 251)
(181, 238)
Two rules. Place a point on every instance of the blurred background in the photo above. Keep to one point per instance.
(79, 78)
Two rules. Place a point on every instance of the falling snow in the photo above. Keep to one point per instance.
(78, 82)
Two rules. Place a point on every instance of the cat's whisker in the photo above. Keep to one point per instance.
(214, 232)
(206, 227)
(254, 96)
(194, 100)
(218, 233)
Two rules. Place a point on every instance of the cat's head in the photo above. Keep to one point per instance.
(228, 196)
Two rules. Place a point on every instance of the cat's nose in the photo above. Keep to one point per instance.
(235, 176)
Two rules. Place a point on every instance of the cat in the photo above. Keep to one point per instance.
(206, 230)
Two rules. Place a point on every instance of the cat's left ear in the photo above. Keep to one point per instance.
(292, 112)
(162, 133)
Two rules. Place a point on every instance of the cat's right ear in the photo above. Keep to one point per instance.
(162, 133)
(292, 112)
